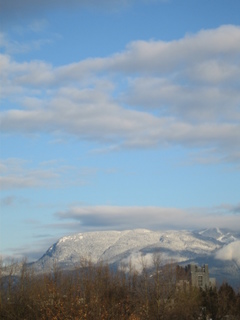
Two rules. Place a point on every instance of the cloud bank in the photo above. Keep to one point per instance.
(155, 218)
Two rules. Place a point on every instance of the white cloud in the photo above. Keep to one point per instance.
(137, 261)
(187, 92)
(158, 57)
(230, 252)
(124, 217)
(215, 72)
(90, 114)
(184, 101)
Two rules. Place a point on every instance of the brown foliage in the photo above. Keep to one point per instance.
(95, 292)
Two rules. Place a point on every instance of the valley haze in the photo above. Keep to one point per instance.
(120, 115)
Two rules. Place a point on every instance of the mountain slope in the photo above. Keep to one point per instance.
(118, 247)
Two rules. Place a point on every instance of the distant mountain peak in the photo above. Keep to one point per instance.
(221, 235)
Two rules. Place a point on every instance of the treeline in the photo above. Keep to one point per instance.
(100, 292)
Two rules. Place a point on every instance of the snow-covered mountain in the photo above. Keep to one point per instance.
(218, 247)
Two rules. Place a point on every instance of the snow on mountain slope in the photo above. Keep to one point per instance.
(187, 241)
(211, 233)
(68, 251)
(120, 246)
(130, 241)
(222, 235)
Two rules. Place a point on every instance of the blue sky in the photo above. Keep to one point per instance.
(117, 115)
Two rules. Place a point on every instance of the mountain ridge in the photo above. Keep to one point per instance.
(212, 246)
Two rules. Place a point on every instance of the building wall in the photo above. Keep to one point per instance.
(193, 275)
(199, 275)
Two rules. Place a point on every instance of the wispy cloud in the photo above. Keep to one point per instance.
(14, 8)
(16, 175)
(19, 174)
(12, 11)
(38, 248)
(38, 25)
(12, 47)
